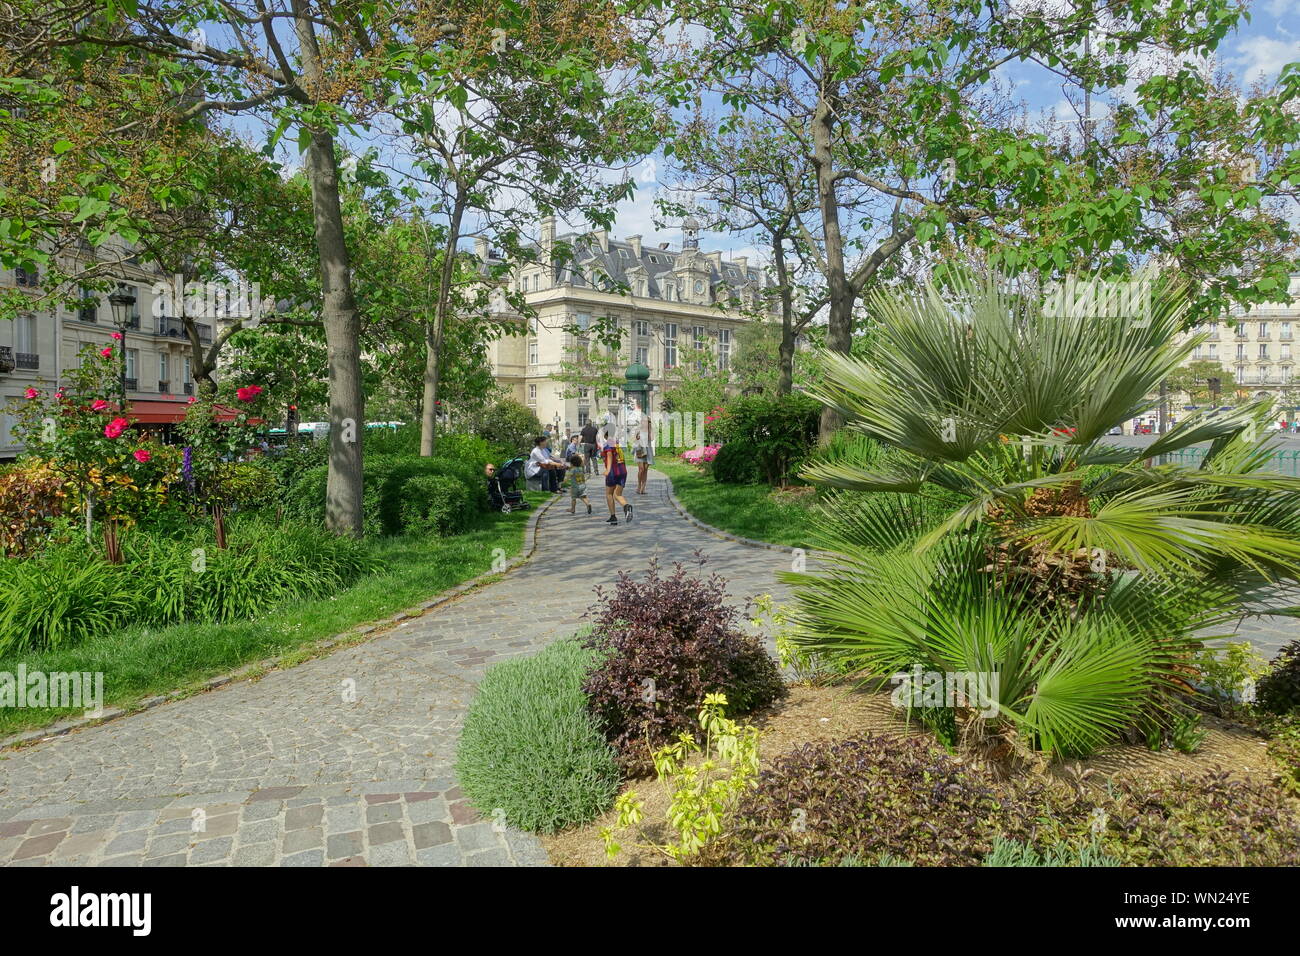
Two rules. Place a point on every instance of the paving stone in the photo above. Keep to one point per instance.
(255, 854)
(129, 842)
(430, 834)
(488, 858)
(306, 858)
(212, 851)
(384, 833)
(176, 860)
(344, 844)
(446, 855)
(302, 817)
(309, 839)
(383, 813)
(389, 854)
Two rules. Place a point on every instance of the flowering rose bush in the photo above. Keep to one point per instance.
(701, 456)
(82, 437)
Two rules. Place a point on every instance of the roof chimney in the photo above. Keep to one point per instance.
(663, 245)
(635, 242)
(742, 261)
(481, 248)
(602, 236)
(716, 258)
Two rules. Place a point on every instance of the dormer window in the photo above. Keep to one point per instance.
(654, 259)
(623, 253)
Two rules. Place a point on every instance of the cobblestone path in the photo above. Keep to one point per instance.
(282, 771)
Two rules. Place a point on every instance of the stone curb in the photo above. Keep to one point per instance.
(372, 629)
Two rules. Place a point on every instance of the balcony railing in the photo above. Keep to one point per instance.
(28, 360)
(175, 329)
(189, 388)
(164, 387)
(7, 363)
(132, 384)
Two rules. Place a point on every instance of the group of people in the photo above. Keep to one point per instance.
(551, 471)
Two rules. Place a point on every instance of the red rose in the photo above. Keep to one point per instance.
(116, 336)
(115, 428)
(107, 351)
(99, 404)
(32, 393)
(141, 455)
(248, 393)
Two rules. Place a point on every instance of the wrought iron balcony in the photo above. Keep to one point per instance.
(28, 360)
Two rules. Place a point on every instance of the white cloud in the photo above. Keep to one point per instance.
(1266, 56)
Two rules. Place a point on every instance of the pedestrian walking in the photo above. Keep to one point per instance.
(577, 481)
(615, 478)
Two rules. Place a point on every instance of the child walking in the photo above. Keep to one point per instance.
(577, 484)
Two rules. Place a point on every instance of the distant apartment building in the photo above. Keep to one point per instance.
(679, 303)
(1258, 347)
(41, 344)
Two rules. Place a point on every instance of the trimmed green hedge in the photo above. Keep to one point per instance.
(531, 749)
(393, 502)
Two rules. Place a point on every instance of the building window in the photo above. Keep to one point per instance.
(1286, 330)
(1285, 374)
(1263, 330)
(643, 355)
(654, 259)
(583, 418)
(1286, 351)
(1196, 354)
(613, 393)
(1265, 373)
(641, 327)
(1241, 373)
(1214, 352)
(188, 378)
(25, 334)
(88, 311)
(1241, 330)
(1241, 353)
(623, 254)
(724, 349)
(163, 377)
(25, 279)
(132, 362)
(532, 394)
(532, 353)
(670, 345)
(1263, 350)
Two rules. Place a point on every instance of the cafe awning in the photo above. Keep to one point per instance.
(152, 411)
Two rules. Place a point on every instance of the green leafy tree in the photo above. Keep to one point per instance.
(910, 144)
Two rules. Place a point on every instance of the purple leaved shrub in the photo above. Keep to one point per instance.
(663, 643)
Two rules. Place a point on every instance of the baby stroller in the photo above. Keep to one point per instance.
(501, 486)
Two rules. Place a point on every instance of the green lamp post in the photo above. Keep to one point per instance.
(636, 386)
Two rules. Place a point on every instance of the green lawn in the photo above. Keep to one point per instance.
(750, 511)
(141, 662)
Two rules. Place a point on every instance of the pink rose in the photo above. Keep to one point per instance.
(32, 393)
(141, 455)
(116, 336)
(115, 428)
(248, 393)
(99, 404)
(106, 352)
(190, 400)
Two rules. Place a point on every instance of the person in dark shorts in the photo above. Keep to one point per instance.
(589, 456)
(577, 481)
(615, 478)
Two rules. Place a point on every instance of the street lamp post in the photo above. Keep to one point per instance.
(121, 302)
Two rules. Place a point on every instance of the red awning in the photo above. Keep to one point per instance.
(153, 411)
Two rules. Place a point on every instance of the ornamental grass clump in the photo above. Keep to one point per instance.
(530, 755)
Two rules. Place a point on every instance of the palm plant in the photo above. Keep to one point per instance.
(1002, 533)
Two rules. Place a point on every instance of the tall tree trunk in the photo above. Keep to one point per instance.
(785, 352)
(839, 327)
(339, 311)
(433, 337)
